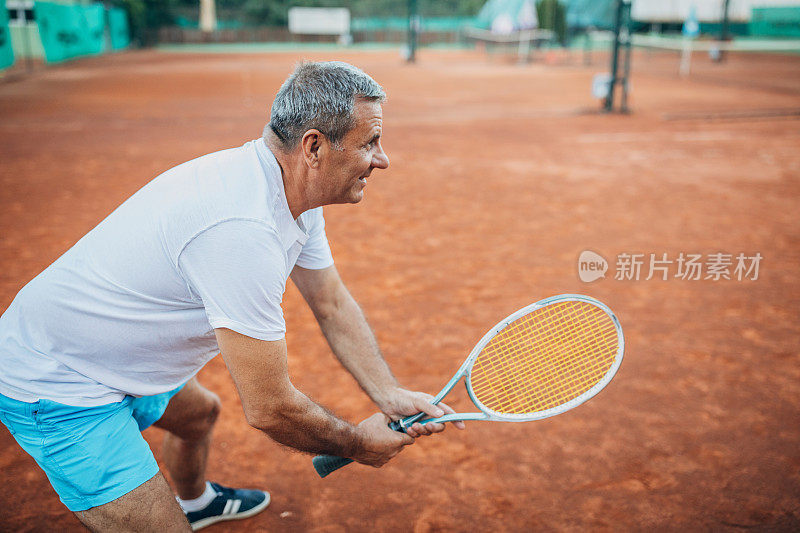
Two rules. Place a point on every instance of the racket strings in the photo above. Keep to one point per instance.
(549, 342)
(545, 358)
(553, 364)
(517, 382)
(558, 392)
(515, 385)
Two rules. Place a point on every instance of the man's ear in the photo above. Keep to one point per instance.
(312, 143)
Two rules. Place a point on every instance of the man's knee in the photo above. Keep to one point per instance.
(191, 415)
(200, 425)
(213, 407)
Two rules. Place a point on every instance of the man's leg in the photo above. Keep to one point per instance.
(149, 507)
(189, 420)
(98, 463)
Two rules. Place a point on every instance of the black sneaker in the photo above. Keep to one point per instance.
(230, 504)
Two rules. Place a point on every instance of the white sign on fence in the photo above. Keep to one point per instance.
(319, 21)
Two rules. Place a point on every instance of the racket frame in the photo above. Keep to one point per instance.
(488, 414)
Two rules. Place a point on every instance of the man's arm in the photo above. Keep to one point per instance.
(352, 341)
(272, 404)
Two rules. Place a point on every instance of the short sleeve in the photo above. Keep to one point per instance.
(316, 252)
(238, 269)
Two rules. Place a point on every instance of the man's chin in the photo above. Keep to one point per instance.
(352, 199)
(356, 196)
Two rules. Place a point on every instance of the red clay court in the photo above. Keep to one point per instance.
(500, 176)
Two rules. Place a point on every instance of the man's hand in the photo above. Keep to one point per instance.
(378, 442)
(399, 403)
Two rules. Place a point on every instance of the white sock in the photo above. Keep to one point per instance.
(190, 506)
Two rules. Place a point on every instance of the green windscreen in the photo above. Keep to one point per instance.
(118, 28)
(69, 31)
(6, 51)
(775, 21)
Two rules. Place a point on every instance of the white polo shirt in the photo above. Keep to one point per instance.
(131, 308)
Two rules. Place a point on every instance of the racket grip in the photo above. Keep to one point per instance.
(327, 464)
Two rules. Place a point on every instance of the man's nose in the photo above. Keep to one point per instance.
(380, 160)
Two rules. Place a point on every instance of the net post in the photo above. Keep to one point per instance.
(609, 103)
(723, 34)
(413, 28)
(626, 69)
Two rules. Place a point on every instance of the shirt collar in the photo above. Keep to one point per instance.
(291, 229)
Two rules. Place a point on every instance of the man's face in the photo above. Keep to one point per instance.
(346, 171)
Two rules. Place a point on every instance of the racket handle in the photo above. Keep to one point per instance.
(327, 464)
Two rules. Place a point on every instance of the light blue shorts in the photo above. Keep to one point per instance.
(91, 455)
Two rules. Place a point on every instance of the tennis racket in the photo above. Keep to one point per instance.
(541, 361)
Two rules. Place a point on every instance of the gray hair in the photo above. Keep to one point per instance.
(320, 96)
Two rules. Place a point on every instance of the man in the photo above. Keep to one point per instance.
(107, 340)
